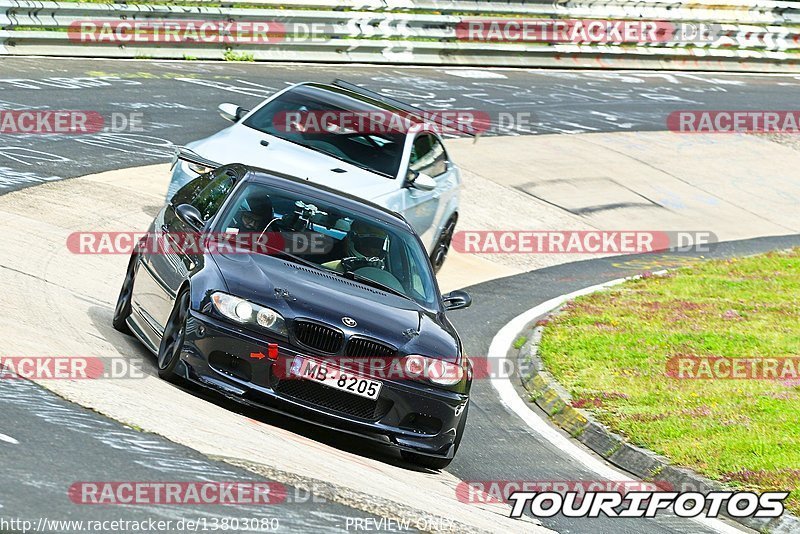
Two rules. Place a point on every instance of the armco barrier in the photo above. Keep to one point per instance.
(757, 36)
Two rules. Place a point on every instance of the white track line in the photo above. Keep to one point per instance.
(8, 439)
(509, 397)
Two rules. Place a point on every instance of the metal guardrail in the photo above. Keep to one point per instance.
(755, 35)
(745, 11)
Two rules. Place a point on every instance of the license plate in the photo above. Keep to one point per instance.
(335, 377)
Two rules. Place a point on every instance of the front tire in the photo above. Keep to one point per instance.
(169, 350)
(442, 247)
(431, 462)
(123, 308)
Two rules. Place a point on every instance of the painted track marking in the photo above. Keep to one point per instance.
(513, 402)
(8, 439)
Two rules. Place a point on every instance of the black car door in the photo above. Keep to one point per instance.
(180, 241)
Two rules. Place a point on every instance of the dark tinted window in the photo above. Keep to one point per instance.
(210, 199)
(374, 148)
(190, 191)
(354, 243)
(428, 156)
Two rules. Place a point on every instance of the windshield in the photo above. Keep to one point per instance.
(335, 239)
(375, 149)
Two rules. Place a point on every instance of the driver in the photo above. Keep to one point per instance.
(365, 246)
(254, 214)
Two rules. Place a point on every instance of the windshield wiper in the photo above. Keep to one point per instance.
(368, 168)
(297, 259)
(370, 282)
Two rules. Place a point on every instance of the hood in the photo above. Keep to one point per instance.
(241, 144)
(297, 291)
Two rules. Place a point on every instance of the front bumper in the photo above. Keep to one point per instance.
(407, 415)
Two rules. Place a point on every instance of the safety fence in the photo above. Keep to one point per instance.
(741, 35)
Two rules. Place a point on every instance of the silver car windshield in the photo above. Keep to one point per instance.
(335, 239)
(304, 115)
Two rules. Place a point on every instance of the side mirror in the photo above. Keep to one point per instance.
(190, 215)
(423, 182)
(457, 300)
(231, 112)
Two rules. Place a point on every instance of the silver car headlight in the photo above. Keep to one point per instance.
(245, 312)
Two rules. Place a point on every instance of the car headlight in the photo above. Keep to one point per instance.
(245, 312)
(199, 169)
(434, 370)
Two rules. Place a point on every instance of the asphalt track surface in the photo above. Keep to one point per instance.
(178, 102)
(59, 444)
(498, 446)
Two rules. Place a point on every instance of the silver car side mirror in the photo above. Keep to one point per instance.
(423, 182)
(231, 112)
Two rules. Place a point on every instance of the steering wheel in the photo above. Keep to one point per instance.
(353, 263)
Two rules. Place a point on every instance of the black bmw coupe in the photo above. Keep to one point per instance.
(300, 299)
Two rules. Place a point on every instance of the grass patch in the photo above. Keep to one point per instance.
(611, 351)
(231, 55)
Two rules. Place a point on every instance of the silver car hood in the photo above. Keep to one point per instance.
(241, 144)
